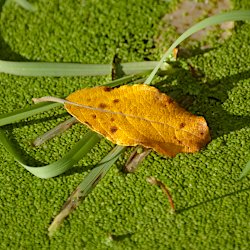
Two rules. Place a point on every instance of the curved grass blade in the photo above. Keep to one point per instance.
(236, 15)
(34, 109)
(80, 149)
(245, 171)
(86, 186)
(70, 69)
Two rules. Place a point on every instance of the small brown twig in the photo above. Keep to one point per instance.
(136, 158)
(55, 131)
(152, 180)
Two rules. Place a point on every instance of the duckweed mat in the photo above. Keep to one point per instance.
(124, 211)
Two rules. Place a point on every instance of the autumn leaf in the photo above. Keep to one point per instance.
(139, 115)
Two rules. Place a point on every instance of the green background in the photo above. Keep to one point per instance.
(124, 211)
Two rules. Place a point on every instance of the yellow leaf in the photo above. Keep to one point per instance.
(139, 115)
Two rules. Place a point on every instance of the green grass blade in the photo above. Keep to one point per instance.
(236, 15)
(86, 186)
(245, 171)
(124, 80)
(53, 69)
(99, 171)
(80, 149)
(26, 5)
(34, 109)
(70, 69)
(138, 67)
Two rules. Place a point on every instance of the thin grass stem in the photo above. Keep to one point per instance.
(55, 131)
(20, 114)
(86, 186)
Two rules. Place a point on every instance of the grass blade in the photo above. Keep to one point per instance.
(86, 186)
(53, 69)
(55, 131)
(70, 69)
(20, 114)
(26, 5)
(80, 149)
(245, 171)
(120, 81)
(236, 15)
(137, 67)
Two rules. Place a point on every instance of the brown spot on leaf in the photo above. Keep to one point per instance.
(102, 105)
(179, 142)
(107, 89)
(112, 119)
(94, 116)
(182, 125)
(170, 101)
(87, 123)
(116, 100)
(88, 100)
(113, 129)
